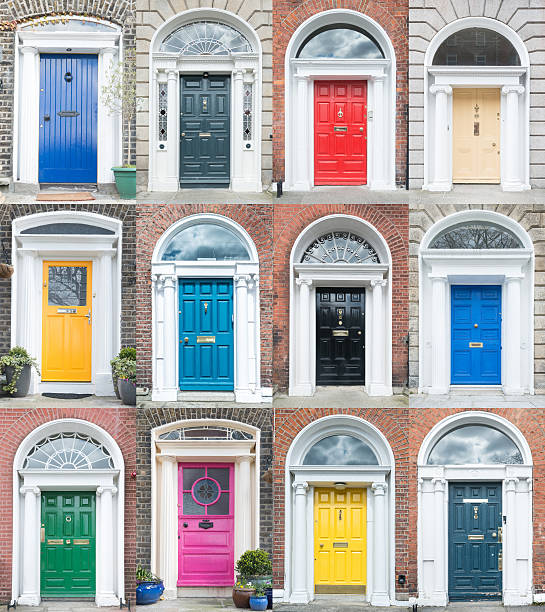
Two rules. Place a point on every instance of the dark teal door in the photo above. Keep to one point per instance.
(476, 335)
(205, 127)
(68, 118)
(474, 541)
(206, 335)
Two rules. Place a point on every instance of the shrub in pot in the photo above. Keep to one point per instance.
(255, 566)
(17, 366)
(242, 591)
(259, 601)
(125, 370)
(126, 352)
(149, 587)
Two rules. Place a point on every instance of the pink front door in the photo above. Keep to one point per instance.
(205, 524)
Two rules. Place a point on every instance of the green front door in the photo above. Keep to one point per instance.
(67, 566)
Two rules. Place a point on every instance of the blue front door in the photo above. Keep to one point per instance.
(206, 335)
(68, 118)
(474, 541)
(476, 335)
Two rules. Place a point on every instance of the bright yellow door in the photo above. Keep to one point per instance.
(476, 136)
(67, 316)
(340, 540)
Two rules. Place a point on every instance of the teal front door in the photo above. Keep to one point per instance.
(475, 541)
(205, 131)
(67, 544)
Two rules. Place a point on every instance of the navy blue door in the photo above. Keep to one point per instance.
(476, 335)
(474, 541)
(205, 127)
(206, 335)
(68, 118)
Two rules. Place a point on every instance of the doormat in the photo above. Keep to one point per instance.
(67, 395)
(75, 196)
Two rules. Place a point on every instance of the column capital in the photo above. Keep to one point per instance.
(514, 277)
(507, 89)
(438, 277)
(438, 484)
(300, 488)
(303, 281)
(168, 280)
(242, 280)
(379, 282)
(511, 484)
(167, 459)
(106, 50)
(244, 459)
(238, 74)
(29, 49)
(446, 89)
(172, 75)
(379, 488)
(302, 77)
(29, 489)
(106, 489)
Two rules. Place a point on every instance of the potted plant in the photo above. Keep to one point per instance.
(149, 587)
(17, 366)
(126, 352)
(259, 601)
(269, 594)
(125, 370)
(242, 591)
(255, 566)
(119, 97)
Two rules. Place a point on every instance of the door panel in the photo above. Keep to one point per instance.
(205, 130)
(68, 544)
(340, 336)
(66, 321)
(340, 540)
(476, 135)
(205, 524)
(475, 534)
(476, 334)
(206, 334)
(68, 118)
(340, 132)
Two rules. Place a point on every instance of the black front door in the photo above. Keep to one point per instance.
(205, 130)
(340, 331)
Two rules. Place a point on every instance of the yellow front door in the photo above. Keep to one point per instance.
(67, 317)
(340, 541)
(476, 136)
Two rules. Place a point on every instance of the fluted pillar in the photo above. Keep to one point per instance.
(29, 116)
(241, 374)
(379, 596)
(377, 385)
(300, 135)
(439, 376)
(30, 593)
(302, 340)
(299, 593)
(510, 148)
(168, 525)
(106, 569)
(512, 330)
(441, 179)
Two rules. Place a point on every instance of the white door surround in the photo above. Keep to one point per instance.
(375, 278)
(513, 269)
(433, 513)
(514, 82)
(29, 43)
(380, 75)
(300, 481)
(30, 250)
(109, 486)
(166, 70)
(165, 456)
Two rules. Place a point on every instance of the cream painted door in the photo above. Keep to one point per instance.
(476, 136)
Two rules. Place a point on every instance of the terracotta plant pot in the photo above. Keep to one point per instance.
(241, 597)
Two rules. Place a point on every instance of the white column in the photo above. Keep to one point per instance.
(30, 558)
(509, 547)
(441, 178)
(381, 141)
(237, 169)
(303, 383)
(377, 385)
(438, 306)
(109, 149)
(301, 149)
(511, 355)
(106, 563)
(439, 587)
(173, 138)
(29, 116)
(104, 316)
(381, 543)
(171, 341)
(511, 142)
(299, 591)
(243, 523)
(242, 392)
(168, 526)
(27, 281)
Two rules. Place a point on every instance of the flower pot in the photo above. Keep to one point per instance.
(116, 388)
(148, 592)
(6, 271)
(125, 181)
(268, 592)
(241, 597)
(127, 390)
(23, 382)
(258, 602)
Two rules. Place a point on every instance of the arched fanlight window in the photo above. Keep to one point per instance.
(206, 432)
(67, 24)
(67, 228)
(68, 451)
(474, 444)
(340, 247)
(205, 241)
(340, 41)
(476, 47)
(340, 450)
(206, 38)
(476, 235)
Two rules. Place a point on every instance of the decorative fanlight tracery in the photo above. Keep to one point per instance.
(206, 38)
(340, 247)
(206, 432)
(476, 235)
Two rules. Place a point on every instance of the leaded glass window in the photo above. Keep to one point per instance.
(476, 47)
(474, 444)
(163, 110)
(206, 432)
(340, 247)
(476, 235)
(206, 241)
(206, 38)
(340, 41)
(206, 490)
(68, 451)
(67, 286)
(247, 111)
(340, 450)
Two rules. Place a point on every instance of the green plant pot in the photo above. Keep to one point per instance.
(125, 181)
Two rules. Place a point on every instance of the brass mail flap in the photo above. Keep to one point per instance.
(205, 134)
(340, 128)
(58, 542)
(340, 332)
(201, 339)
(68, 113)
(67, 310)
(340, 544)
(475, 345)
(81, 542)
(475, 537)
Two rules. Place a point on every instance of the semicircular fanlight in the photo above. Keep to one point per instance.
(340, 247)
(206, 38)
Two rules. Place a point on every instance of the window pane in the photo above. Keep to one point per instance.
(476, 47)
(206, 491)
(67, 286)
(340, 41)
(478, 235)
(471, 444)
(220, 507)
(340, 247)
(191, 506)
(205, 241)
(221, 475)
(68, 451)
(340, 450)
(68, 25)
(206, 38)
(190, 475)
(68, 228)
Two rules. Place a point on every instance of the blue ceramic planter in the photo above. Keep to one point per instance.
(148, 592)
(258, 603)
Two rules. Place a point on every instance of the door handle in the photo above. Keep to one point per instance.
(183, 134)
(47, 118)
(186, 339)
(185, 524)
(361, 129)
(493, 144)
(494, 534)
(88, 315)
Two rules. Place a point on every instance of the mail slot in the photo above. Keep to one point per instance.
(206, 524)
(340, 128)
(66, 310)
(59, 542)
(475, 537)
(205, 135)
(340, 332)
(81, 542)
(201, 339)
(68, 114)
(475, 345)
(340, 544)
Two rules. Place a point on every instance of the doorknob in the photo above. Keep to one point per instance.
(361, 129)
(186, 339)
(185, 524)
(494, 534)
(183, 134)
(475, 325)
(88, 315)
(493, 144)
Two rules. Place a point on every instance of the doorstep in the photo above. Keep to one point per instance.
(39, 401)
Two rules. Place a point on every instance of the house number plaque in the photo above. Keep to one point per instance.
(67, 310)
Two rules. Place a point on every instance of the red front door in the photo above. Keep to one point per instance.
(340, 132)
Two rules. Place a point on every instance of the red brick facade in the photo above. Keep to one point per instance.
(288, 15)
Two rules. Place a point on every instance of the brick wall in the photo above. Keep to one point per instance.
(288, 15)
(392, 222)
